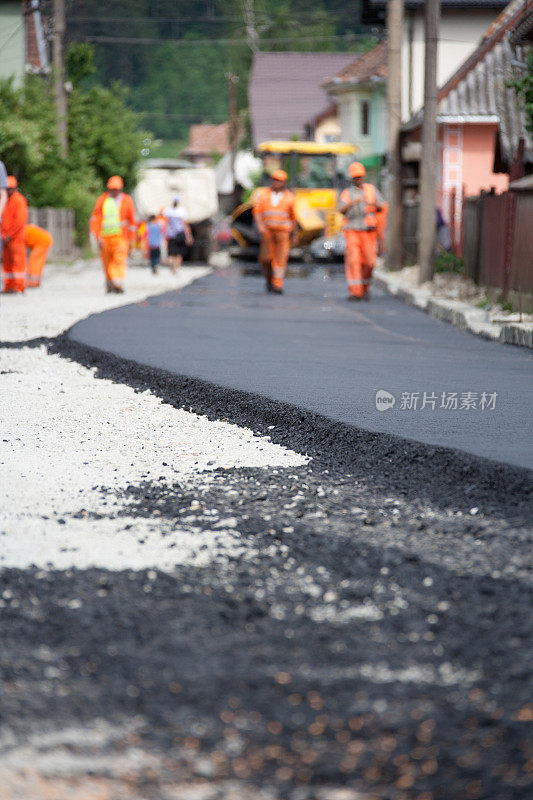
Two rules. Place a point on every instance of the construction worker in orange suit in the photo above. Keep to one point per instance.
(276, 222)
(14, 219)
(114, 227)
(38, 242)
(360, 203)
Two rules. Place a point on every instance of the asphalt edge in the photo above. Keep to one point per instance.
(447, 477)
(461, 315)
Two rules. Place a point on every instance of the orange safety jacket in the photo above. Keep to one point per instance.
(278, 217)
(369, 194)
(15, 216)
(126, 215)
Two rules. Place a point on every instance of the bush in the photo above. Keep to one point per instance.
(449, 262)
(104, 139)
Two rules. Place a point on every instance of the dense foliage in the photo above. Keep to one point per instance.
(174, 54)
(103, 132)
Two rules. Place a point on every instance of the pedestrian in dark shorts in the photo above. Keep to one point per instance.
(155, 237)
(178, 232)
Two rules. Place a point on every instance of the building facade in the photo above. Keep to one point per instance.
(360, 93)
(462, 25)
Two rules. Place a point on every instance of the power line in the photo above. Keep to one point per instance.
(192, 42)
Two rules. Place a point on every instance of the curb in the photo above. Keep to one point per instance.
(461, 315)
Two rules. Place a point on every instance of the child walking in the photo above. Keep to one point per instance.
(155, 237)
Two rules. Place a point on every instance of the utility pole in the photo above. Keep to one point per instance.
(59, 74)
(394, 110)
(249, 22)
(233, 122)
(427, 216)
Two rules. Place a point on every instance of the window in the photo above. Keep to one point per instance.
(365, 118)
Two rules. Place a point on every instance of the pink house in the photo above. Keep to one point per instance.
(481, 124)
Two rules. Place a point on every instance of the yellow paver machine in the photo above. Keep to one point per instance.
(316, 176)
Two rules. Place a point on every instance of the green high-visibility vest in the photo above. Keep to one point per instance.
(110, 218)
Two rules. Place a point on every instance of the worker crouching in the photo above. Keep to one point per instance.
(113, 225)
(14, 219)
(360, 203)
(276, 222)
(38, 242)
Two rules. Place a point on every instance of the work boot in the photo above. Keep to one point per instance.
(366, 296)
(275, 290)
(353, 298)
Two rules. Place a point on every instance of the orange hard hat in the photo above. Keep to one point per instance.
(11, 182)
(115, 182)
(356, 170)
(279, 175)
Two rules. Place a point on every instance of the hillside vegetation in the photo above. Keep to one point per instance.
(175, 55)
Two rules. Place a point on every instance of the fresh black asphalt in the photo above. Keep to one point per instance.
(372, 636)
(312, 349)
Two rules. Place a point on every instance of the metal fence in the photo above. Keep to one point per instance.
(60, 223)
(498, 240)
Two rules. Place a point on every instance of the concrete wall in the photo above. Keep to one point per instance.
(12, 50)
(478, 160)
(460, 33)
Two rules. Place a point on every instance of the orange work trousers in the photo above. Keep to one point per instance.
(279, 245)
(39, 243)
(114, 253)
(360, 260)
(14, 264)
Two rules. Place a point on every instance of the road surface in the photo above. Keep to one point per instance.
(314, 350)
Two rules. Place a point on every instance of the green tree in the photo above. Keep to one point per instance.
(104, 139)
(175, 84)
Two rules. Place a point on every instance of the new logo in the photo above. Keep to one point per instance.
(384, 400)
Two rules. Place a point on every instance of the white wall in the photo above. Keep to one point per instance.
(460, 33)
(12, 41)
(350, 120)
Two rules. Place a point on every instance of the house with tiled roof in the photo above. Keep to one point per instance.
(462, 25)
(285, 92)
(359, 90)
(483, 137)
(206, 141)
(23, 45)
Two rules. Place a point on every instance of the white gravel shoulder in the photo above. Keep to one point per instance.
(65, 434)
(70, 292)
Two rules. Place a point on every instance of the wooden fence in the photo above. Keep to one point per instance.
(498, 240)
(60, 223)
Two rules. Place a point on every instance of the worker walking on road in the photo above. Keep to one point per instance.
(38, 242)
(14, 219)
(113, 225)
(178, 233)
(360, 204)
(276, 222)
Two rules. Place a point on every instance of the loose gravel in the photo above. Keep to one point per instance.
(351, 627)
